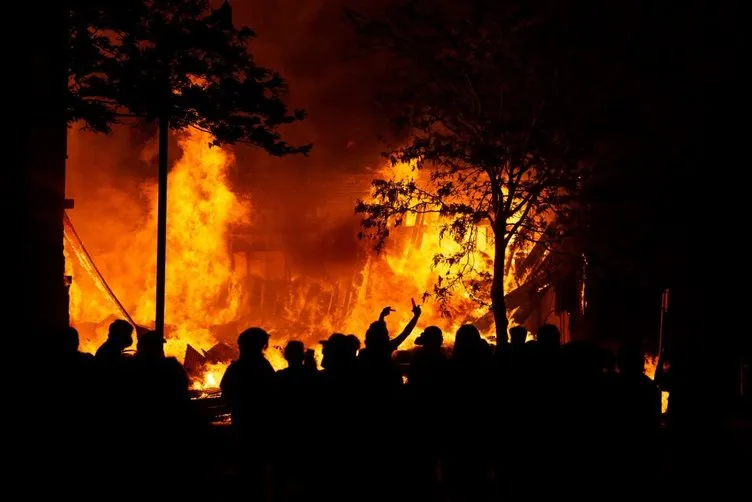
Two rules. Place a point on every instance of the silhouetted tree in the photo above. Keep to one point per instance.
(182, 58)
(179, 63)
(481, 100)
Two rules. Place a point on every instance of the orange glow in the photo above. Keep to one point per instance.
(651, 363)
(406, 266)
(208, 297)
(201, 291)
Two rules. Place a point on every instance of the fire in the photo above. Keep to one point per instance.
(211, 377)
(201, 291)
(208, 295)
(651, 364)
(406, 269)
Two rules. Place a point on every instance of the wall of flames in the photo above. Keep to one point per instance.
(203, 292)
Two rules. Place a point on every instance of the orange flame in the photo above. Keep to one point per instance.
(201, 291)
(651, 364)
(204, 293)
(405, 269)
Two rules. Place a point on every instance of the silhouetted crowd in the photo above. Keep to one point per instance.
(522, 420)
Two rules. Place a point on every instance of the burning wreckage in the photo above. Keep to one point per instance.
(224, 274)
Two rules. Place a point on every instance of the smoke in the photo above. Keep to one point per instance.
(310, 201)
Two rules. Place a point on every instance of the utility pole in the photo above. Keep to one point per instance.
(164, 127)
(664, 309)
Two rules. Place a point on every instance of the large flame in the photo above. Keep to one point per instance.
(206, 293)
(651, 364)
(407, 269)
(201, 291)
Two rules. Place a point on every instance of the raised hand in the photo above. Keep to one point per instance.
(385, 312)
(416, 308)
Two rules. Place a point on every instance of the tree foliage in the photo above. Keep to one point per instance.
(483, 104)
(181, 59)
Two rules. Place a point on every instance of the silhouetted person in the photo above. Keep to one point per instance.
(638, 422)
(532, 389)
(469, 451)
(295, 373)
(119, 338)
(427, 373)
(518, 336)
(247, 388)
(581, 404)
(76, 367)
(549, 336)
(382, 380)
(68, 412)
(160, 411)
(247, 382)
(338, 466)
(113, 397)
(296, 384)
(78, 371)
(309, 362)
(379, 334)
(353, 347)
(297, 396)
(427, 379)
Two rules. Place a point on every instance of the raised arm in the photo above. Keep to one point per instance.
(397, 341)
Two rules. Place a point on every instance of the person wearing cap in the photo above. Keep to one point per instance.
(426, 384)
(428, 367)
(340, 361)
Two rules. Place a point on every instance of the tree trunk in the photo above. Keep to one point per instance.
(162, 225)
(498, 302)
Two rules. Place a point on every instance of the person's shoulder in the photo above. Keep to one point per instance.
(173, 363)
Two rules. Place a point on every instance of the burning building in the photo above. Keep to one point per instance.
(228, 269)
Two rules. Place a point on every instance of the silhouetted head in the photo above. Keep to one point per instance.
(377, 336)
(334, 350)
(549, 336)
(608, 361)
(431, 338)
(150, 344)
(121, 333)
(352, 346)
(631, 360)
(518, 335)
(69, 340)
(253, 341)
(582, 360)
(467, 340)
(294, 353)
